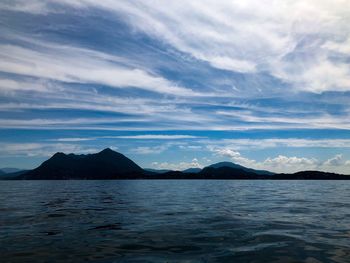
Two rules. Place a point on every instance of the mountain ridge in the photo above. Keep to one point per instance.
(106, 164)
(109, 164)
(238, 166)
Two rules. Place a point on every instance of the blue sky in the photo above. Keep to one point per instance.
(177, 84)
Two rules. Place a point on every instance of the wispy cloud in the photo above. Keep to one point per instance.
(82, 66)
(277, 143)
(203, 74)
(158, 137)
(251, 36)
(41, 149)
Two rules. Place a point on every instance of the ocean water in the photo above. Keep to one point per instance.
(175, 221)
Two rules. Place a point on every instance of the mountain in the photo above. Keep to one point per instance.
(157, 171)
(109, 164)
(106, 164)
(311, 175)
(7, 176)
(192, 170)
(226, 172)
(237, 166)
(8, 170)
(2, 172)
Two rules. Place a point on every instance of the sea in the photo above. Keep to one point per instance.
(175, 221)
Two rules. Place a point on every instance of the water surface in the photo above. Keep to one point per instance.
(175, 221)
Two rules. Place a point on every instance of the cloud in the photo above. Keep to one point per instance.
(131, 137)
(335, 161)
(291, 40)
(157, 137)
(250, 144)
(294, 41)
(234, 156)
(323, 120)
(150, 149)
(77, 65)
(342, 47)
(233, 64)
(286, 164)
(177, 166)
(41, 149)
(72, 139)
(283, 163)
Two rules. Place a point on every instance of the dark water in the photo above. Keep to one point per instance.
(175, 221)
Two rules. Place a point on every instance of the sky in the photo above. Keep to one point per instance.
(177, 84)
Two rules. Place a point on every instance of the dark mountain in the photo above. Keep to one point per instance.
(226, 172)
(311, 175)
(109, 164)
(192, 170)
(237, 166)
(106, 164)
(2, 172)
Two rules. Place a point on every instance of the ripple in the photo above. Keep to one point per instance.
(175, 221)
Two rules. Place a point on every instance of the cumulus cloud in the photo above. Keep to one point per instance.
(283, 163)
(335, 161)
(286, 164)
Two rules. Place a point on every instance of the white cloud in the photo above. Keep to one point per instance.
(177, 166)
(286, 164)
(285, 38)
(41, 149)
(72, 139)
(158, 137)
(235, 156)
(150, 149)
(240, 144)
(283, 163)
(75, 65)
(292, 40)
(335, 161)
(342, 47)
(233, 64)
(323, 120)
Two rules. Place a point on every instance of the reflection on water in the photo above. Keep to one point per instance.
(175, 221)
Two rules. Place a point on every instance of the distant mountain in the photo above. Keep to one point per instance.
(237, 166)
(8, 170)
(109, 164)
(312, 175)
(2, 172)
(226, 172)
(157, 171)
(14, 175)
(192, 170)
(106, 164)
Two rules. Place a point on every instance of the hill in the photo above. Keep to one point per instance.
(106, 164)
(237, 166)
(109, 164)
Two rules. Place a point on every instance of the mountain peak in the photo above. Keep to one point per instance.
(107, 150)
(58, 154)
(106, 164)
